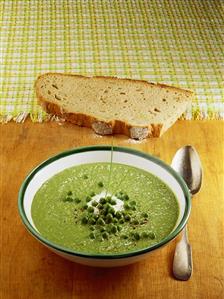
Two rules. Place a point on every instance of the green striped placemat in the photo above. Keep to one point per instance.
(171, 41)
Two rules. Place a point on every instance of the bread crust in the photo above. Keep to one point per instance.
(101, 126)
(84, 120)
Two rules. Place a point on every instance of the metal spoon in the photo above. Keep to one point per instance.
(187, 163)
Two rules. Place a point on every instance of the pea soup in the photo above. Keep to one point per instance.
(96, 209)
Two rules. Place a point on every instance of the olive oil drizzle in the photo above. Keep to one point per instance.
(110, 172)
(111, 163)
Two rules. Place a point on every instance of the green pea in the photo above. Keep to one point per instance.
(90, 209)
(102, 200)
(121, 221)
(115, 220)
(68, 199)
(124, 236)
(108, 199)
(85, 207)
(127, 206)
(111, 210)
(69, 193)
(136, 236)
(125, 197)
(85, 177)
(88, 198)
(104, 212)
(109, 218)
(77, 200)
(127, 217)
(145, 215)
(109, 215)
(92, 235)
(152, 235)
(118, 215)
(100, 221)
(100, 206)
(92, 228)
(100, 184)
(133, 203)
(84, 220)
(113, 202)
(105, 235)
(92, 221)
(94, 203)
(102, 229)
(113, 229)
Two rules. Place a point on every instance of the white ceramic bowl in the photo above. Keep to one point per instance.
(92, 154)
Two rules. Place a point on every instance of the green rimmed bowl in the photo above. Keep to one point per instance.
(95, 154)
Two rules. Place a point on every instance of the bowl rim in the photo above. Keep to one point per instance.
(129, 254)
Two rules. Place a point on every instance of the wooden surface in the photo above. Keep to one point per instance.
(29, 270)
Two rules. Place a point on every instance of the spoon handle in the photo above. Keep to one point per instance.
(182, 263)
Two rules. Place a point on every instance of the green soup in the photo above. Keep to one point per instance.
(90, 209)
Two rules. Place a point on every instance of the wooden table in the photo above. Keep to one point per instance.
(29, 270)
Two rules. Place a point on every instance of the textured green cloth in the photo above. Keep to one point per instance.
(174, 42)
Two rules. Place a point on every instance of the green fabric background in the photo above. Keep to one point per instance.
(174, 42)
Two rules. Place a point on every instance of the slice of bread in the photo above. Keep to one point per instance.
(136, 108)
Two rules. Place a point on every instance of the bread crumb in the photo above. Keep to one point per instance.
(130, 140)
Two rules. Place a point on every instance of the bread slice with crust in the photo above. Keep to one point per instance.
(109, 105)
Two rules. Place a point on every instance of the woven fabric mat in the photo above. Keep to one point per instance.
(171, 41)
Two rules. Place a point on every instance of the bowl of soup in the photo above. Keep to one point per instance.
(104, 206)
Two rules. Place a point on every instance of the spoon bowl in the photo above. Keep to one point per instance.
(187, 163)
